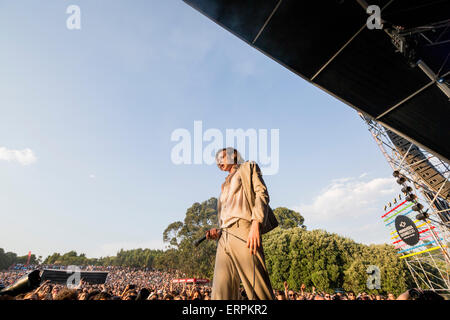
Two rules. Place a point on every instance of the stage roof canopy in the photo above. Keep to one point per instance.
(328, 43)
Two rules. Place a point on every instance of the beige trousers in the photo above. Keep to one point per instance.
(235, 263)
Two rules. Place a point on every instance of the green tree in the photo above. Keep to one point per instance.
(288, 218)
(327, 261)
(195, 261)
(7, 259)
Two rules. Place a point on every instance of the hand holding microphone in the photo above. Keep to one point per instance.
(213, 234)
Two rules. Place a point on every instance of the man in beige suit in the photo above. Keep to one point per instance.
(243, 214)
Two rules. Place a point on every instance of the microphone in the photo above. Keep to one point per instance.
(197, 242)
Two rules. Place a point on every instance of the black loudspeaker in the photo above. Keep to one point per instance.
(25, 284)
(62, 276)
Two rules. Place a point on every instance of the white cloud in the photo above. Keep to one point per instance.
(349, 197)
(92, 176)
(24, 157)
(351, 207)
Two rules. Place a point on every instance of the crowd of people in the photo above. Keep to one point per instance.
(122, 283)
(125, 283)
(339, 294)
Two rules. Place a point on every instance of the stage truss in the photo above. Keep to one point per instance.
(426, 202)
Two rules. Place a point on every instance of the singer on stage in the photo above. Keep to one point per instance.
(243, 215)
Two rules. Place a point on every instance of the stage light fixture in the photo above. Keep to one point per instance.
(422, 216)
(401, 180)
(406, 189)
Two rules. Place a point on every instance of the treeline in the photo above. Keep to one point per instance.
(139, 258)
(315, 258)
(9, 258)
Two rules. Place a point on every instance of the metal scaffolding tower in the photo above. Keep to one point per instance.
(426, 188)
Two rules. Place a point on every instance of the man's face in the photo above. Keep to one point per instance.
(327, 297)
(351, 296)
(224, 161)
(280, 297)
(55, 292)
(291, 294)
(391, 296)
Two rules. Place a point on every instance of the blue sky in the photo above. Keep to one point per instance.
(96, 108)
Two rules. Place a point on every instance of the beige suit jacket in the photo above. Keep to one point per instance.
(256, 193)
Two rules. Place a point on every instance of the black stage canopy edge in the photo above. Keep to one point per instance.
(327, 43)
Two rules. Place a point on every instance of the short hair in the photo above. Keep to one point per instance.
(67, 294)
(417, 294)
(92, 295)
(103, 296)
(231, 152)
(143, 294)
